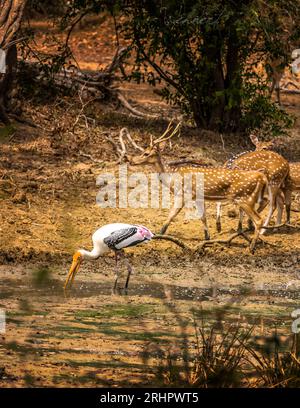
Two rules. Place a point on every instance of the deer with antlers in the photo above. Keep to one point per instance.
(220, 184)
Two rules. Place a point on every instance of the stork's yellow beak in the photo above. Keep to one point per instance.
(77, 258)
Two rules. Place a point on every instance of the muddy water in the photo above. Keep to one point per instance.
(54, 289)
(91, 337)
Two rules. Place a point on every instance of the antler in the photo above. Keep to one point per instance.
(164, 137)
(124, 132)
(120, 148)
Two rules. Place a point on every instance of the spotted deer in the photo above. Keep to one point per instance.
(275, 68)
(293, 184)
(259, 145)
(295, 176)
(276, 170)
(220, 184)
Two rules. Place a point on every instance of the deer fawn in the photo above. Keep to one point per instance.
(238, 186)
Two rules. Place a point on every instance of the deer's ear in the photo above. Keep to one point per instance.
(254, 139)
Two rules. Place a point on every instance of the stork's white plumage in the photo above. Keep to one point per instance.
(114, 237)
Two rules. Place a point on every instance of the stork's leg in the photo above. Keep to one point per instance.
(120, 254)
(129, 270)
(117, 272)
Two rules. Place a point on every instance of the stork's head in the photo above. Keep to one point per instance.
(77, 259)
(145, 233)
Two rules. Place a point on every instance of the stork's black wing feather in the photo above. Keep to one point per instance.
(117, 237)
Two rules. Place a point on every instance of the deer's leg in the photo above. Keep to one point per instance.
(204, 221)
(287, 192)
(257, 221)
(174, 211)
(262, 201)
(272, 86)
(218, 221)
(272, 202)
(279, 205)
(240, 224)
(262, 204)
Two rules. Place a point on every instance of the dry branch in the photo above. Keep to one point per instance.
(98, 84)
(280, 226)
(203, 244)
(176, 241)
(131, 109)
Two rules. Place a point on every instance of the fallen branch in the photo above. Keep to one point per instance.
(203, 244)
(211, 242)
(280, 226)
(224, 241)
(88, 156)
(98, 84)
(176, 241)
(131, 109)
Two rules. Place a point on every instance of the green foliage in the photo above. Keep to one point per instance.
(261, 113)
(6, 132)
(45, 7)
(205, 53)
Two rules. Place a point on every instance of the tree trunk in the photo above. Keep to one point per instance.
(11, 12)
(213, 92)
(233, 83)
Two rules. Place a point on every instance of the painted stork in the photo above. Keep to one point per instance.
(114, 237)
